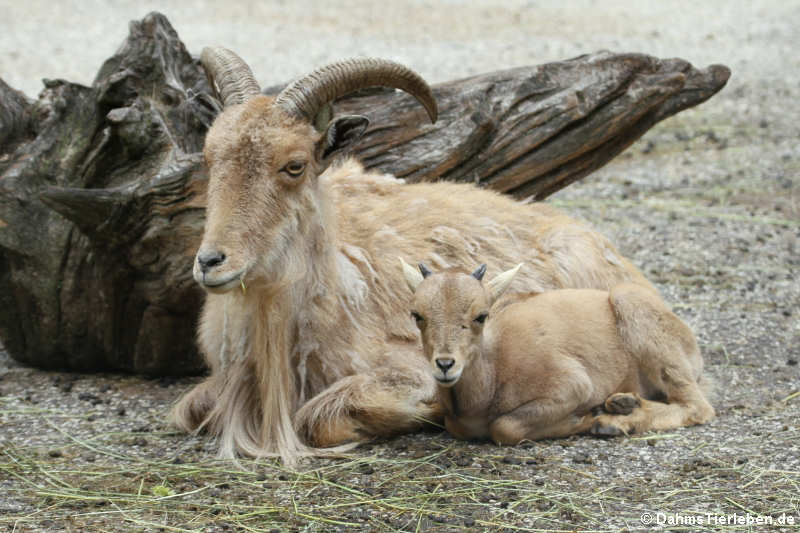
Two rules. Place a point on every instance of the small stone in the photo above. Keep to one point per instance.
(582, 458)
(791, 362)
(88, 397)
(166, 381)
(121, 411)
(55, 453)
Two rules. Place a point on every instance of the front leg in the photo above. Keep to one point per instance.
(467, 428)
(539, 419)
(360, 407)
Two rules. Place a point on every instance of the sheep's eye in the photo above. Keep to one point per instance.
(416, 316)
(294, 168)
(481, 318)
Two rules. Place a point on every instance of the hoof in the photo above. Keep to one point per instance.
(605, 430)
(622, 403)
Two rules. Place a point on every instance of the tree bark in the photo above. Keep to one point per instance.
(102, 188)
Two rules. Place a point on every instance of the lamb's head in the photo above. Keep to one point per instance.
(451, 308)
(264, 156)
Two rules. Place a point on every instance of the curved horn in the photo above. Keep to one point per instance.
(308, 95)
(229, 75)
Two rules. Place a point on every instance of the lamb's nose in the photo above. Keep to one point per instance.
(209, 259)
(445, 363)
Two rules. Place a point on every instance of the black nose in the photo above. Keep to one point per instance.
(445, 364)
(208, 260)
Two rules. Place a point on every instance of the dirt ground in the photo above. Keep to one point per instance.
(707, 204)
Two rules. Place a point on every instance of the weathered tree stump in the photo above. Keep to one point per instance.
(102, 188)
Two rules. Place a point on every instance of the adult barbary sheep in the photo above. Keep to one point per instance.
(535, 366)
(305, 326)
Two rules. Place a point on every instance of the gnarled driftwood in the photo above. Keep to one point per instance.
(102, 187)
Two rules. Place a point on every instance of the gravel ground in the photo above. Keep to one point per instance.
(707, 204)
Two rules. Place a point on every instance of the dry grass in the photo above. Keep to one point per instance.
(113, 481)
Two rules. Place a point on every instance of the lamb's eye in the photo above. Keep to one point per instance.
(481, 318)
(294, 168)
(416, 316)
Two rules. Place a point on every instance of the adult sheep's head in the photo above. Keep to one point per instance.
(264, 156)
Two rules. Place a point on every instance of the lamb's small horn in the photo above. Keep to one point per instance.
(425, 270)
(479, 272)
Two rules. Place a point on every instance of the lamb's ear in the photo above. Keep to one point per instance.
(412, 275)
(340, 134)
(499, 284)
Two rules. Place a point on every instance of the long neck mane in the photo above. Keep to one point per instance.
(278, 319)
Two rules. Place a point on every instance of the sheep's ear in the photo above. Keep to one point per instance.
(413, 276)
(499, 284)
(340, 134)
